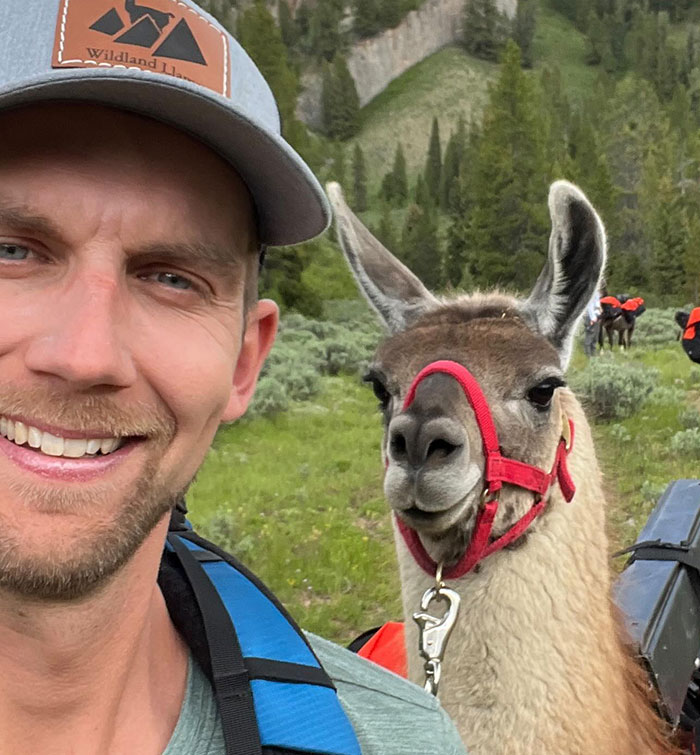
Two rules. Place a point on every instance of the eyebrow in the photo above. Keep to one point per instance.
(26, 220)
(221, 261)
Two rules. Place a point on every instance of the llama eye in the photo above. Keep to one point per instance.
(541, 395)
(379, 389)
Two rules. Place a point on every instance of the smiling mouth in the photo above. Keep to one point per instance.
(418, 518)
(49, 444)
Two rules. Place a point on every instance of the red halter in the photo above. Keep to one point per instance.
(498, 469)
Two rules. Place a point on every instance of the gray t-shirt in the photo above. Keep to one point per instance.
(390, 715)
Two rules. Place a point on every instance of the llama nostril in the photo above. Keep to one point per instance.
(398, 447)
(440, 449)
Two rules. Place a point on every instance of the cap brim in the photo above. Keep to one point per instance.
(290, 202)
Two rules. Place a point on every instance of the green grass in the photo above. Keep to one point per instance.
(637, 470)
(299, 499)
(559, 43)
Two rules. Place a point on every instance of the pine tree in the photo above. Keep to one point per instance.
(338, 168)
(359, 180)
(339, 100)
(386, 233)
(433, 163)
(508, 226)
(390, 13)
(669, 238)
(458, 250)
(395, 183)
(524, 27)
(400, 183)
(484, 29)
(420, 246)
(365, 18)
(325, 37)
(450, 168)
(261, 37)
(288, 29)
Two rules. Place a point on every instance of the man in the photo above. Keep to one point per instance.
(141, 172)
(591, 325)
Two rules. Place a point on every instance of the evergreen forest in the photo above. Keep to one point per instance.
(605, 93)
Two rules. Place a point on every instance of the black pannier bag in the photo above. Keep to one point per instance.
(659, 596)
(691, 336)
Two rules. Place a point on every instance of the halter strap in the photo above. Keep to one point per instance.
(498, 469)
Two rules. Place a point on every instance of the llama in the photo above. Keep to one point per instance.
(136, 12)
(536, 664)
(620, 325)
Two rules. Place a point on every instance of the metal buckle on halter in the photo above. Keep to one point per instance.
(487, 496)
(434, 632)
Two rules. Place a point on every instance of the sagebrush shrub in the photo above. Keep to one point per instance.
(270, 397)
(694, 375)
(612, 390)
(689, 417)
(656, 327)
(687, 443)
(667, 395)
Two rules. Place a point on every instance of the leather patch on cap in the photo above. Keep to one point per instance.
(161, 36)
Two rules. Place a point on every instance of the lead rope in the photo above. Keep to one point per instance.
(434, 631)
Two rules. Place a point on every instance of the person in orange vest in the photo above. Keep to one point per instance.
(591, 324)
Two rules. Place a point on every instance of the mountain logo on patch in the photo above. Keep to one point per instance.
(148, 27)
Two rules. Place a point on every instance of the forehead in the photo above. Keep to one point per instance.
(112, 155)
(487, 345)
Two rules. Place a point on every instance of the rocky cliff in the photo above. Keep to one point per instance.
(374, 63)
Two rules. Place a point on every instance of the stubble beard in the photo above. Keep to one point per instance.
(92, 557)
(110, 523)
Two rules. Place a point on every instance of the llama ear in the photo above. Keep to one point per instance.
(572, 273)
(390, 287)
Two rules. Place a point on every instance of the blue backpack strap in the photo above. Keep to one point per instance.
(229, 673)
(295, 704)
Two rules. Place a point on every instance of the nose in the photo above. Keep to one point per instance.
(81, 336)
(419, 442)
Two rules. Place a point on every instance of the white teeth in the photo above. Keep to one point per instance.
(108, 445)
(74, 448)
(20, 433)
(33, 436)
(53, 445)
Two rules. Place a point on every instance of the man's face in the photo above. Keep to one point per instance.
(123, 254)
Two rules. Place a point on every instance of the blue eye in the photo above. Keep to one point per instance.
(176, 281)
(13, 252)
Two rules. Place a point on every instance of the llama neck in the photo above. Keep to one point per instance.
(534, 664)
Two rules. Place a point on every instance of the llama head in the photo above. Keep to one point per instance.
(517, 349)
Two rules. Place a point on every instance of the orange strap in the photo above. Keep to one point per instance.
(387, 648)
(693, 320)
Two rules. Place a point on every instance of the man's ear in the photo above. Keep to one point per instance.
(260, 332)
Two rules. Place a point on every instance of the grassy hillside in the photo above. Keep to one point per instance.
(451, 83)
(448, 84)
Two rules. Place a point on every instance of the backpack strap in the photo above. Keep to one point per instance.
(263, 668)
(229, 673)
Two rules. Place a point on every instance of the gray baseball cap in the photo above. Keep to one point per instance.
(171, 61)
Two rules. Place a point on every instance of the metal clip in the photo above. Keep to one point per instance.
(434, 632)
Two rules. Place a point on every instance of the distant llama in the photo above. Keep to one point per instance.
(536, 664)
